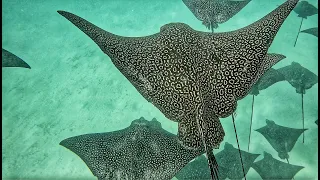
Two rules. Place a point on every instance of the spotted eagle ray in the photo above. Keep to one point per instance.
(230, 160)
(269, 78)
(271, 168)
(193, 77)
(229, 165)
(144, 151)
(304, 9)
(281, 138)
(312, 31)
(11, 60)
(301, 79)
(214, 12)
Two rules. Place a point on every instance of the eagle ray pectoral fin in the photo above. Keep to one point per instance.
(104, 39)
(11, 60)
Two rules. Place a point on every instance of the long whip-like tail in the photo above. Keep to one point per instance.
(302, 116)
(251, 121)
(235, 130)
(295, 42)
(212, 163)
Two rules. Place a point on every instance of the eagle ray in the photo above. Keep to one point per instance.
(144, 151)
(192, 77)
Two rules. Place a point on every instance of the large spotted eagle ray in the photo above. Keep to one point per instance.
(214, 12)
(141, 151)
(193, 77)
(11, 60)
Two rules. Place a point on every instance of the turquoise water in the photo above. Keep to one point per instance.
(73, 88)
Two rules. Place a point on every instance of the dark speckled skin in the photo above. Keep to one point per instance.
(141, 151)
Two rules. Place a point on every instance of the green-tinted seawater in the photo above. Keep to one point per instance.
(73, 88)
